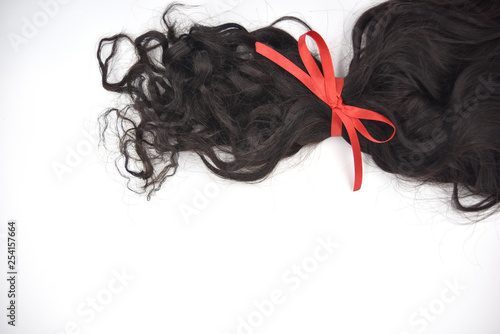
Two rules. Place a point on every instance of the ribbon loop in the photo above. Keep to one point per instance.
(329, 88)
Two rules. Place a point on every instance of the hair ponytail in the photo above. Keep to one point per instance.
(431, 67)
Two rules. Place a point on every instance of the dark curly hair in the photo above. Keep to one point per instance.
(432, 67)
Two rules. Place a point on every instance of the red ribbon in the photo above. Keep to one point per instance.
(328, 89)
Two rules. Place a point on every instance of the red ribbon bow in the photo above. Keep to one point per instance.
(328, 88)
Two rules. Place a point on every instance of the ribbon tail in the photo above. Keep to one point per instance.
(336, 129)
(356, 152)
(358, 165)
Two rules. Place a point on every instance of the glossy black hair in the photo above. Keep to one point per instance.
(432, 67)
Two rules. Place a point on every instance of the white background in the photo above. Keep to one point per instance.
(207, 255)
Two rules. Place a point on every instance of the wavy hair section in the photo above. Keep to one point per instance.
(433, 68)
(207, 91)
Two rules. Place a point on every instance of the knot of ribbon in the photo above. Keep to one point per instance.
(329, 88)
